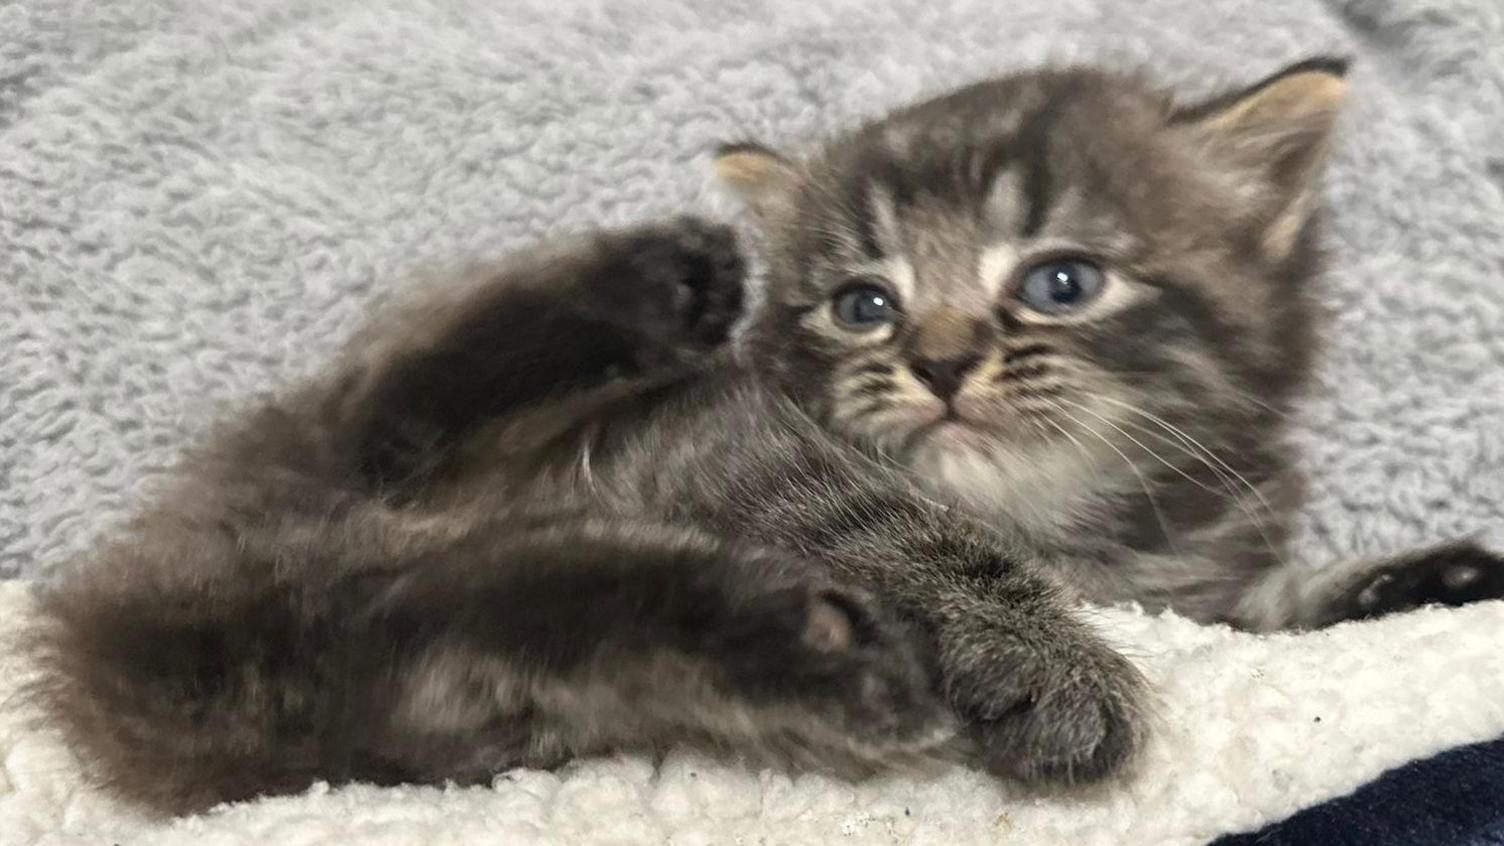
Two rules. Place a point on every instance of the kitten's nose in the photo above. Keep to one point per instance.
(944, 376)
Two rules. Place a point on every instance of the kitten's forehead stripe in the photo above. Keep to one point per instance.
(1038, 183)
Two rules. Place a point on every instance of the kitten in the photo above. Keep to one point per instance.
(1083, 313)
(547, 511)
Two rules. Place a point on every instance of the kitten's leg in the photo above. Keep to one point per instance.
(1451, 574)
(566, 317)
(1044, 697)
(498, 649)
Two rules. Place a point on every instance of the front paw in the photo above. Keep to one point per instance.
(1055, 707)
(1456, 574)
(681, 281)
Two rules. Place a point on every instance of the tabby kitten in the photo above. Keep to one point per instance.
(1083, 313)
(547, 511)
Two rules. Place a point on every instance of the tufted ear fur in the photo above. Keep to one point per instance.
(763, 179)
(1273, 139)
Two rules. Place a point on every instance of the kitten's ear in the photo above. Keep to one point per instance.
(1274, 137)
(761, 178)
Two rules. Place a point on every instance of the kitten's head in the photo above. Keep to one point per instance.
(1019, 277)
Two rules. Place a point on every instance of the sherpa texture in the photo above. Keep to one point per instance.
(1453, 799)
(198, 197)
(1250, 729)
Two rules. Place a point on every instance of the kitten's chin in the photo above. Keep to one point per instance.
(951, 434)
(962, 434)
(1028, 483)
(919, 434)
(960, 463)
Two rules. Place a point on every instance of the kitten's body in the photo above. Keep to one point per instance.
(544, 513)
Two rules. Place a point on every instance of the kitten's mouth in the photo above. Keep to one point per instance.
(950, 429)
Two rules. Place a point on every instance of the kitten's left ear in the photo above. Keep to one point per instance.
(766, 181)
(1274, 136)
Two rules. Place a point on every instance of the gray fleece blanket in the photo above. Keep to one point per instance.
(198, 197)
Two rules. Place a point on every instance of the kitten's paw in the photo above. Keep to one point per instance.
(846, 676)
(681, 280)
(1067, 711)
(1455, 574)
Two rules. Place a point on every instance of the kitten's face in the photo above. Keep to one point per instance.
(1018, 279)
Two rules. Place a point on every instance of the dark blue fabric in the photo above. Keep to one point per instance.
(1453, 799)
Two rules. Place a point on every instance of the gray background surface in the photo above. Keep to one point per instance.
(196, 198)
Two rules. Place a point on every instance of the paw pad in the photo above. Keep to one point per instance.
(1450, 575)
(1459, 577)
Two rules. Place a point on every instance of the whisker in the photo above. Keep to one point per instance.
(1233, 490)
(1080, 447)
(1143, 481)
(1140, 444)
(1185, 438)
(1201, 453)
(1223, 385)
(1026, 391)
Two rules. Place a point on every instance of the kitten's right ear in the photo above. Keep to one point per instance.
(761, 178)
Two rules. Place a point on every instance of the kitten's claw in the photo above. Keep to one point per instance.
(1456, 574)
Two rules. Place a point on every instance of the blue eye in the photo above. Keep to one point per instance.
(863, 305)
(1059, 285)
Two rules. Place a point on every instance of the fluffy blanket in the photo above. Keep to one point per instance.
(1250, 729)
(1451, 799)
(197, 197)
